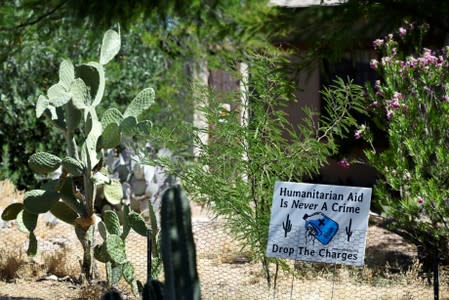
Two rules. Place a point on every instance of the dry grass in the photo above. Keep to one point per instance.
(9, 194)
(10, 264)
(58, 263)
(91, 292)
(13, 261)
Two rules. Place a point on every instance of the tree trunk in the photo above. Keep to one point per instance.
(86, 238)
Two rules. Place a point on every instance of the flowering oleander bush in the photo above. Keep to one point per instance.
(411, 104)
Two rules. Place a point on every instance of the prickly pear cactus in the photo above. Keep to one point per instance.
(40, 201)
(43, 162)
(73, 166)
(112, 251)
(70, 107)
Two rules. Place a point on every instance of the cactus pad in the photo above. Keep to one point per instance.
(110, 46)
(129, 125)
(69, 198)
(93, 76)
(128, 272)
(63, 212)
(66, 74)
(57, 117)
(73, 166)
(32, 245)
(111, 115)
(138, 223)
(113, 192)
(101, 254)
(112, 222)
(144, 127)
(80, 93)
(44, 162)
(73, 116)
(26, 222)
(39, 201)
(89, 148)
(58, 96)
(116, 249)
(11, 211)
(41, 105)
(140, 103)
(111, 136)
(102, 230)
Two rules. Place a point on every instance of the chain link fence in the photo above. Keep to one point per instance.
(226, 269)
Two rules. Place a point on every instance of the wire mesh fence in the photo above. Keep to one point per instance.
(226, 270)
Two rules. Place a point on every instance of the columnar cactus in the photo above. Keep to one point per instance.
(178, 251)
(70, 106)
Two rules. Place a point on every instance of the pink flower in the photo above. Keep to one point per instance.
(420, 200)
(358, 133)
(389, 114)
(427, 58)
(373, 64)
(412, 62)
(445, 98)
(394, 104)
(397, 96)
(378, 43)
(343, 164)
(386, 60)
(402, 31)
(394, 51)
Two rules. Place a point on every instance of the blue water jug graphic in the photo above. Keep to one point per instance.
(321, 227)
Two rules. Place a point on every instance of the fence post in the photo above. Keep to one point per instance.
(148, 291)
(436, 279)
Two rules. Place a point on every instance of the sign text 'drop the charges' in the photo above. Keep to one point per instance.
(317, 222)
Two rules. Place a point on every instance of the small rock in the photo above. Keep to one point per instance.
(50, 220)
(65, 278)
(241, 260)
(48, 277)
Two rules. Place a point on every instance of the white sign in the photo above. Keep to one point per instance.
(319, 223)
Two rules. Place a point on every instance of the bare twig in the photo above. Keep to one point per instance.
(37, 19)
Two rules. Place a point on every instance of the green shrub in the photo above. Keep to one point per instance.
(411, 104)
(236, 169)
